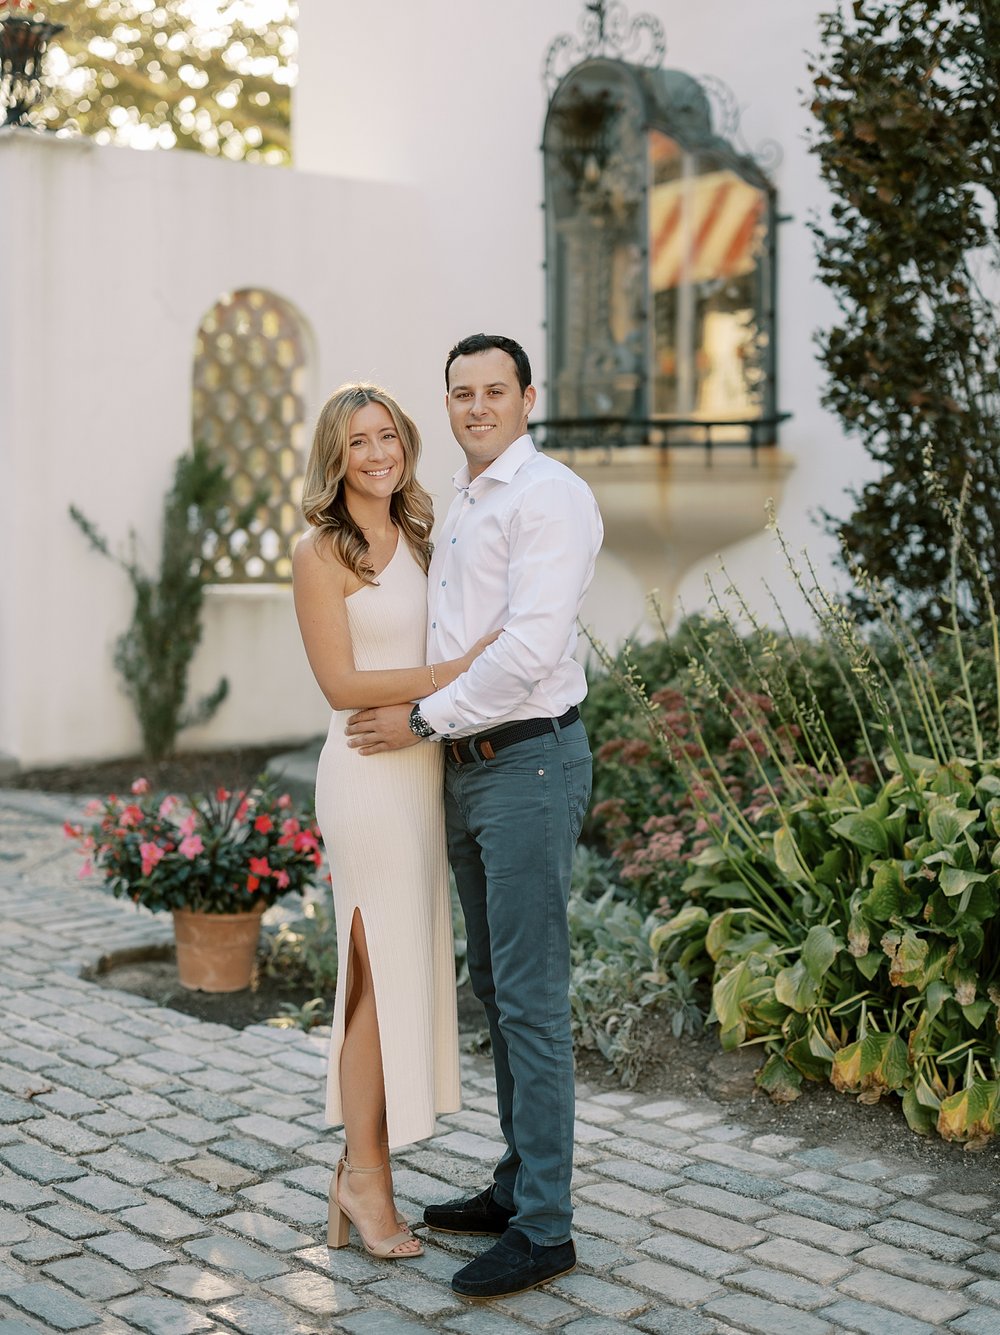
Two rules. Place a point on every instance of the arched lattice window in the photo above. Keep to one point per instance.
(250, 367)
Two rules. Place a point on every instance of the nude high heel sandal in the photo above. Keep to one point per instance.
(340, 1221)
(401, 1219)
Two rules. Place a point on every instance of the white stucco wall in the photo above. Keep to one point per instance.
(106, 290)
(413, 217)
(450, 98)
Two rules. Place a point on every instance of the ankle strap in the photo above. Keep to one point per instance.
(351, 1168)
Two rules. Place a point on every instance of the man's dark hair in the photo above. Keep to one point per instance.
(482, 343)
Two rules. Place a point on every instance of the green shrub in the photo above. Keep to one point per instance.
(644, 811)
(846, 918)
(154, 654)
(303, 951)
(621, 996)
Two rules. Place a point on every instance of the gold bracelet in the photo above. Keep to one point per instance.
(434, 680)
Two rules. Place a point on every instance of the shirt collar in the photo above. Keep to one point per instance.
(504, 467)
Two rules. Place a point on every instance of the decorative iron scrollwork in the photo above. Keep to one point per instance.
(606, 29)
(726, 120)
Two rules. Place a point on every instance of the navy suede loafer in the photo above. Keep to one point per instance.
(482, 1214)
(512, 1265)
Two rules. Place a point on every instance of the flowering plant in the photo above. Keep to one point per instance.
(223, 853)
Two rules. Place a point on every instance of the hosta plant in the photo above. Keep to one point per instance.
(859, 944)
(847, 923)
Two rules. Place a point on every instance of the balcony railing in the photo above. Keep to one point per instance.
(592, 434)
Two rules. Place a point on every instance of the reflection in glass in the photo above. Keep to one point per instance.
(660, 261)
(707, 276)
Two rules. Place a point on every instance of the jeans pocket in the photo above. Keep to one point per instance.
(578, 776)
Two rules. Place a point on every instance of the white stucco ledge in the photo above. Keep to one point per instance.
(21, 134)
(260, 591)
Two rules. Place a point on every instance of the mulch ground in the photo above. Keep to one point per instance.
(191, 772)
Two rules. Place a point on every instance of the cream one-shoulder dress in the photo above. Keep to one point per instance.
(382, 819)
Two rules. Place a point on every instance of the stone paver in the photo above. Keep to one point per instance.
(164, 1175)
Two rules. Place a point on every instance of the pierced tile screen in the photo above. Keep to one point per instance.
(248, 407)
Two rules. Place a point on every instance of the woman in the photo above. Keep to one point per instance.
(360, 576)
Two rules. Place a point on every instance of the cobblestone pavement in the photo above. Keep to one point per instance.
(166, 1175)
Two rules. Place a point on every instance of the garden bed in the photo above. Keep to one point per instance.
(191, 772)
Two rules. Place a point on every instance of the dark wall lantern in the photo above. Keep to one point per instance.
(23, 42)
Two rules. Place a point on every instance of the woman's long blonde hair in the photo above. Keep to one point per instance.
(323, 502)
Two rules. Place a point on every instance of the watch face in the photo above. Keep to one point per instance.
(419, 725)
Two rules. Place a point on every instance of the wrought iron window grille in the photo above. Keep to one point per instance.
(661, 253)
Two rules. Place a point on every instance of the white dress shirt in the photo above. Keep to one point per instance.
(517, 550)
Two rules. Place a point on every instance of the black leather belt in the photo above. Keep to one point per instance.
(485, 745)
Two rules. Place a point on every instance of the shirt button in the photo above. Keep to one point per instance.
(451, 725)
(472, 500)
(443, 583)
(453, 541)
(434, 625)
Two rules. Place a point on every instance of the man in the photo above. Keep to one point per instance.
(517, 550)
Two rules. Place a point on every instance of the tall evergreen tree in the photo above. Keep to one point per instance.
(212, 75)
(907, 100)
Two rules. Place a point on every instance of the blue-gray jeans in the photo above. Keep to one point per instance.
(513, 823)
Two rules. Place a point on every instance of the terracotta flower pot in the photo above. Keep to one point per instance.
(216, 951)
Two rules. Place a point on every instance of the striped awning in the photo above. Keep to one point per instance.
(703, 228)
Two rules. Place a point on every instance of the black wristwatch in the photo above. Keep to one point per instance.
(418, 724)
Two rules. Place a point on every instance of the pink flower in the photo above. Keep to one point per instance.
(86, 870)
(151, 855)
(304, 841)
(191, 846)
(284, 801)
(283, 880)
(290, 826)
(263, 824)
(167, 805)
(222, 794)
(132, 815)
(260, 867)
(72, 831)
(242, 809)
(252, 883)
(188, 824)
(140, 786)
(93, 807)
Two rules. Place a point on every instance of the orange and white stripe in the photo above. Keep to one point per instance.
(703, 228)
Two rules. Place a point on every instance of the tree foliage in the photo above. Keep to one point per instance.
(907, 100)
(211, 75)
